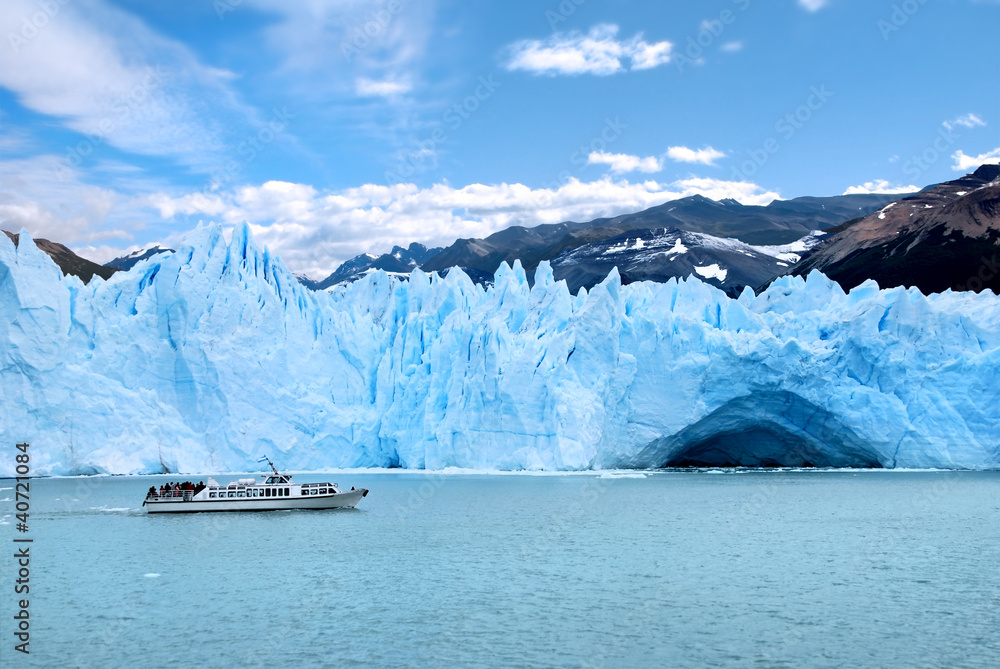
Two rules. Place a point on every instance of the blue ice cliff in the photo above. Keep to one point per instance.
(203, 359)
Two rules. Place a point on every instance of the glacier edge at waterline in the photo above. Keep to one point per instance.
(203, 359)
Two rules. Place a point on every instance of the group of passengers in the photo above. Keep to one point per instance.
(172, 489)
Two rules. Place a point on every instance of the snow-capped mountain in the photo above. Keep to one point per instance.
(397, 261)
(666, 253)
(203, 359)
(127, 262)
(781, 222)
(947, 236)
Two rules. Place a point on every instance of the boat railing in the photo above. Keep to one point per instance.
(173, 496)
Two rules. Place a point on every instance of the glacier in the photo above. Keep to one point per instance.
(203, 359)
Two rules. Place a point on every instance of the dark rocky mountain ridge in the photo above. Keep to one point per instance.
(398, 260)
(68, 262)
(946, 236)
(129, 261)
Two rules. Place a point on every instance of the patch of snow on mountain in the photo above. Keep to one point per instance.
(884, 209)
(677, 248)
(792, 252)
(712, 271)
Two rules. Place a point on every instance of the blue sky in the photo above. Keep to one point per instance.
(337, 127)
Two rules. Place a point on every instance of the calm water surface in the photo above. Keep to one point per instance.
(677, 569)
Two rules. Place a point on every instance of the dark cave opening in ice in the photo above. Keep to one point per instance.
(764, 429)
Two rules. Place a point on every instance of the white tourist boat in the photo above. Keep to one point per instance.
(275, 492)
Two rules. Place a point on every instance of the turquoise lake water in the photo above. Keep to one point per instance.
(676, 569)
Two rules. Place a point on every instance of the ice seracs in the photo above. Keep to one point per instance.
(198, 359)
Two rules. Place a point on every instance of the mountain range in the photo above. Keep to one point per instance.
(781, 222)
(945, 236)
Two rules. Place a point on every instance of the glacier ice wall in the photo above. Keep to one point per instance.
(205, 358)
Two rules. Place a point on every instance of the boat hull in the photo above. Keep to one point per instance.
(342, 500)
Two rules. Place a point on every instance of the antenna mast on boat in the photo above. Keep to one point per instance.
(265, 458)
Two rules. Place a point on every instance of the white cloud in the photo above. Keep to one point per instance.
(622, 162)
(646, 56)
(966, 121)
(597, 52)
(102, 72)
(732, 47)
(369, 88)
(51, 201)
(322, 47)
(880, 186)
(322, 34)
(964, 163)
(683, 154)
(813, 5)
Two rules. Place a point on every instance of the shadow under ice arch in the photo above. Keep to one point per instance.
(763, 429)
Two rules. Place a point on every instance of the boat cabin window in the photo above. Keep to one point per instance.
(232, 494)
(211, 494)
(322, 491)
